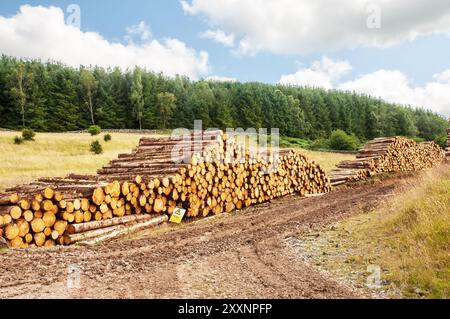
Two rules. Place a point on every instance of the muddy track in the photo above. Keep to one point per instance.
(241, 255)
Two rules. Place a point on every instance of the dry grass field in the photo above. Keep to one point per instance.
(407, 235)
(327, 160)
(58, 154)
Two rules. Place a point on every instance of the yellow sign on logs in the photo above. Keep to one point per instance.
(177, 215)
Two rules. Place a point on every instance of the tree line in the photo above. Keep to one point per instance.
(54, 97)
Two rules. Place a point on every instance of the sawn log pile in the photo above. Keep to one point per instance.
(388, 155)
(207, 173)
(447, 150)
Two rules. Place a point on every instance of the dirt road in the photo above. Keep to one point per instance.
(242, 255)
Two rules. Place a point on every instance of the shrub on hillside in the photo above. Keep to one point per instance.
(107, 138)
(96, 147)
(341, 141)
(94, 130)
(320, 144)
(28, 134)
(441, 141)
(18, 140)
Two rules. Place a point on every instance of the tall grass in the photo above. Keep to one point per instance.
(413, 231)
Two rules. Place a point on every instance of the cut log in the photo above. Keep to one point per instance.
(74, 238)
(60, 227)
(9, 198)
(11, 231)
(49, 219)
(39, 239)
(123, 230)
(37, 225)
(98, 196)
(23, 226)
(79, 228)
(48, 193)
(15, 212)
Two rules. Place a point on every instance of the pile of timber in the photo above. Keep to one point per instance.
(387, 154)
(447, 150)
(205, 173)
(159, 157)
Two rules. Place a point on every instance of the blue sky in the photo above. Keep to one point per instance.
(319, 57)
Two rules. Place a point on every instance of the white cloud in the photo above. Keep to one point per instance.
(321, 74)
(219, 36)
(442, 77)
(305, 26)
(41, 32)
(389, 85)
(216, 78)
(394, 86)
(141, 29)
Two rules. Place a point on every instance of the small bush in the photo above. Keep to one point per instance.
(94, 130)
(28, 134)
(441, 141)
(107, 138)
(289, 142)
(18, 140)
(320, 144)
(341, 141)
(96, 147)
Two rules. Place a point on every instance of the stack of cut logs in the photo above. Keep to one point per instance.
(447, 150)
(388, 154)
(208, 173)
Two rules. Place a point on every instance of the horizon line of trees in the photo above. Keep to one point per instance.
(54, 97)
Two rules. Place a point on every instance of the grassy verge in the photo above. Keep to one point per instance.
(408, 237)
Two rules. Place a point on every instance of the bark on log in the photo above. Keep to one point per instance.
(123, 230)
(79, 228)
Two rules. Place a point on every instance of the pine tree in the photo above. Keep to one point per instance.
(136, 96)
(89, 86)
(18, 89)
(166, 104)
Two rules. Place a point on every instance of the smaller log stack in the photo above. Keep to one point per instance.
(447, 150)
(388, 154)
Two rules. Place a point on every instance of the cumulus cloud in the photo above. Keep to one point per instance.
(442, 77)
(389, 85)
(216, 78)
(219, 36)
(304, 26)
(394, 86)
(41, 33)
(321, 74)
